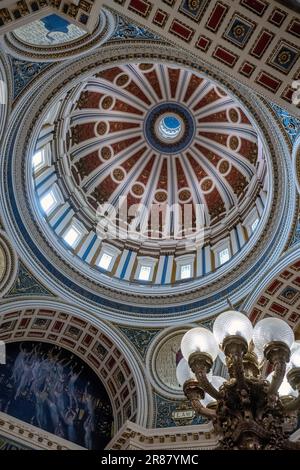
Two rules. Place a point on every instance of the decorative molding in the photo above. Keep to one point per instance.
(290, 123)
(6, 90)
(161, 362)
(83, 13)
(161, 359)
(222, 152)
(133, 437)
(18, 435)
(296, 158)
(277, 292)
(8, 264)
(126, 30)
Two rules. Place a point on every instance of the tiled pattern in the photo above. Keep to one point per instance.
(284, 57)
(160, 18)
(193, 9)
(247, 69)
(281, 298)
(256, 6)
(85, 340)
(239, 31)
(266, 33)
(277, 17)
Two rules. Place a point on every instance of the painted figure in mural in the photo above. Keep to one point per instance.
(50, 388)
(69, 419)
(72, 392)
(27, 377)
(18, 365)
(88, 426)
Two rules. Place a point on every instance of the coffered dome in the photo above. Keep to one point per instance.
(157, 135)
(150, 160)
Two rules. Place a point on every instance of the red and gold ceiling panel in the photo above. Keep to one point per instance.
(256, 40)
(281, 298)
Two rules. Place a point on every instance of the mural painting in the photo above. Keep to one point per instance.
(50, 388)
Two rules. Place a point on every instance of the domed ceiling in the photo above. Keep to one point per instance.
(176, 144)
(153, 160)
(119, 142)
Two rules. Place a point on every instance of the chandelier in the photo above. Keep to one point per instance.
(257, 405)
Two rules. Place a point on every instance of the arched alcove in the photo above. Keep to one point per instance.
(102, 348)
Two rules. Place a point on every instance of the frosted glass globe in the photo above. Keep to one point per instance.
(295, 356)
(199, 340)
(285, 389)
(260, 355)
(222, 357)
(183, 372)
(232, 323)
(216, 381)
(272, 329)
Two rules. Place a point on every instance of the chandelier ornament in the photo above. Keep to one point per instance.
(257, 405)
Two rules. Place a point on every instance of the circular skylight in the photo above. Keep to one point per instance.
(170, 127)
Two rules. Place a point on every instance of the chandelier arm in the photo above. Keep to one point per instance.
(293, 405)
(279, 373)
(238, 370)
(202, 410)
(264, 369)
(206, 385)
(201, 364)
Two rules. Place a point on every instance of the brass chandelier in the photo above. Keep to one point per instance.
(257, 405)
